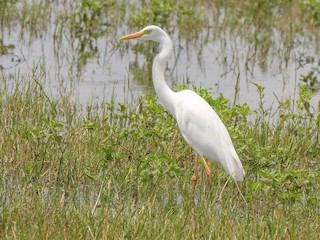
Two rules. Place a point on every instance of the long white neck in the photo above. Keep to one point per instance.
(165, 94)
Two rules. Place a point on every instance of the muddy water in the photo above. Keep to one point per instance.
(91, 64)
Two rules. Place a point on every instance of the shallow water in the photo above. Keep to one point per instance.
(95, 65)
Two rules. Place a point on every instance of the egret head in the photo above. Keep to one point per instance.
(151, 32)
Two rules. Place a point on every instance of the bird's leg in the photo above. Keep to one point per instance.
(240, 192)
(220, 196)
(208, 171)
(196, 173)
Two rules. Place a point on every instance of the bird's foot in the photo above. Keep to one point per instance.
(195, 174)
(224, 186)
(194, 180)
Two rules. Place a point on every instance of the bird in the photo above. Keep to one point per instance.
(199, 124)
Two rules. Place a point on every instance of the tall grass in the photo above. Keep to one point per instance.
(114, 171)
(123, 171)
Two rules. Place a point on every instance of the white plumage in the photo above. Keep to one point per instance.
(199, 124)
(204, 131)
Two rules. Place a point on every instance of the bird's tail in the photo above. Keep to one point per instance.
(233, 166)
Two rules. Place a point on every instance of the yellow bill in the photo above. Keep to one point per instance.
(131, 36)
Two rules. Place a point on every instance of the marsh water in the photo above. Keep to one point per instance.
(73, 47)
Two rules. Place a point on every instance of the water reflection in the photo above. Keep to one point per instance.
(217, 45)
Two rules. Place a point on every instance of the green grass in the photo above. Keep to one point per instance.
(123, 171)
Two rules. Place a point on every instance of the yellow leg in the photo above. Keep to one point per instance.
(240, 192)
(220, 196)
(196, 174)
(208, 171)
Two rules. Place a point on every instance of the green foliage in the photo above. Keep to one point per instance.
(160, 13)
(171, 15)
(113, 169)
(155, 166)
(303, 102)
(287, 185)
(86, 22)
(312, 10)
(140, 137)
(87, 25)
(4, 49)
(311, 80)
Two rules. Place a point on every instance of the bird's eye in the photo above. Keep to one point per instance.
(147, 31)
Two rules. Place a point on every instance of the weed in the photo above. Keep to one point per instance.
(124, 171)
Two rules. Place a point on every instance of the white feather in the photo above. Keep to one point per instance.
(199, 124)
(204, 131)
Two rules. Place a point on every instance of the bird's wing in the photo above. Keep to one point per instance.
(205, 133)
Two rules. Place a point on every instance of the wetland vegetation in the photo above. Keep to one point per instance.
(95, 167)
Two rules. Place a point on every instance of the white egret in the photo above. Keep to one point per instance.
(199, 124)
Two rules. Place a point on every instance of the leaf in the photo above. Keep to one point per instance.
(253, 186)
